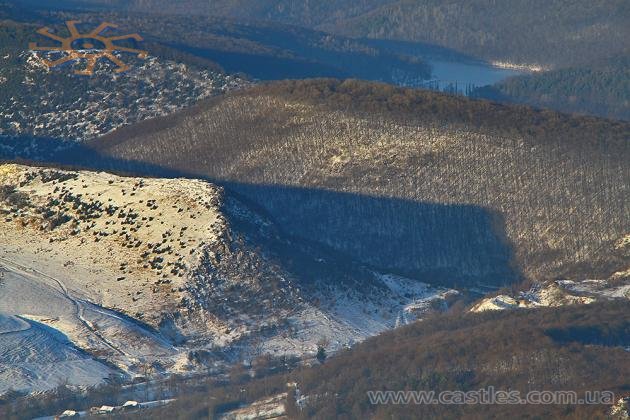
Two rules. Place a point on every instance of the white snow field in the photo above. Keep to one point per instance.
(49, 338)
(37, 358)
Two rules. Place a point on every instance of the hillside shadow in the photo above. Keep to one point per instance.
(448, 244)
(305, 62)
(50, 332)
(264, 67)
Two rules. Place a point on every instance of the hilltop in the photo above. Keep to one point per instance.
(171, 274)
(513, 354)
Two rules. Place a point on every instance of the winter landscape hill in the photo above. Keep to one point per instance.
(261, 50)
(284, 208)
(169, 273)
(520, 351)
(189, 59)
(38, 101)
(568, 64)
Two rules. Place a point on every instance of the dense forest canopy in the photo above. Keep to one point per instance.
(549, 33)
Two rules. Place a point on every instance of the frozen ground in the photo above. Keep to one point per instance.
(346, 319)
(49, 337)
(267, 408)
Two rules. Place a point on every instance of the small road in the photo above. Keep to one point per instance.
(58, 284)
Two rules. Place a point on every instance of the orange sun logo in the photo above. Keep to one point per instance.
(90, 47)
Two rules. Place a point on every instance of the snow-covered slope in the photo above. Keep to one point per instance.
(561, 292)
(177, 275)
(35, 357)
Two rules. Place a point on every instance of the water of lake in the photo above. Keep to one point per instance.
(461, 77)
(465, 75)
(452, 71)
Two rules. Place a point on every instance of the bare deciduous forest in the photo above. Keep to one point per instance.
(441, 188)
(519, 351)
(601, 89)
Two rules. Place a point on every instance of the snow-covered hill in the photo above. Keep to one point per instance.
(174, 275)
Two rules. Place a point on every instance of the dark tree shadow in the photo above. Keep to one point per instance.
(450, 244)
